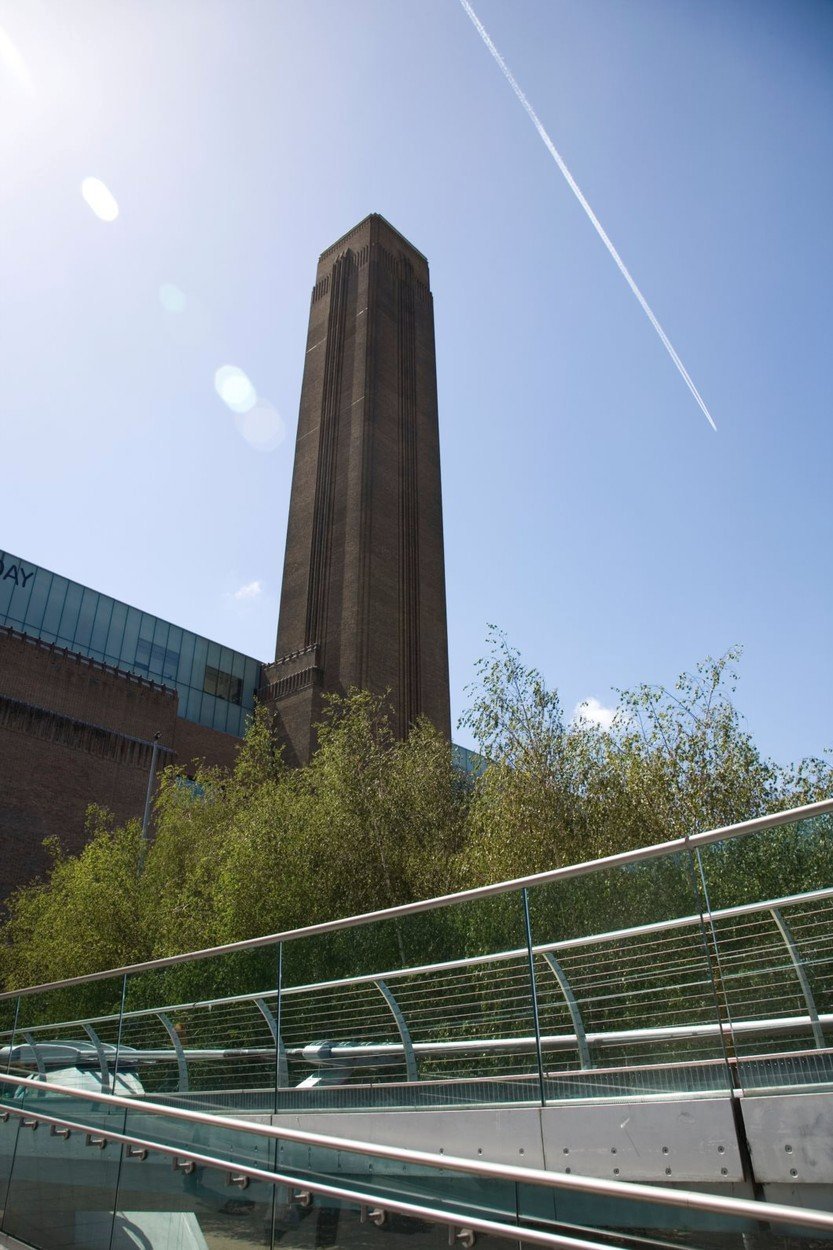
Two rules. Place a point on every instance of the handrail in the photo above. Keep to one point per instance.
(468, 961)
(513, 1045)
(236, 1171)
(689, 1199)
(621, 859)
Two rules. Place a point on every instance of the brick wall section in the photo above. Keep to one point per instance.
(197, 742)
(39, 673)
(75, 732)
(45, 789)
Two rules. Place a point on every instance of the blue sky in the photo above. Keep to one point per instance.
(589, 509)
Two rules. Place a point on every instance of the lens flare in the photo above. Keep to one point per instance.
(172, 299)
(12, 59)
(235, 388)
(262, 427)
(100, 199)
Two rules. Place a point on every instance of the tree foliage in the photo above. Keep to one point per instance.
(373, 821)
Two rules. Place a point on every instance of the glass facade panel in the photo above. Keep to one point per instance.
(54, 608)
(115, 634)
(131, 632)
(86, 616)
(31, 615)
(216, 685)
(69, 615)
(16, 581)
(101, 624)
(186, 659)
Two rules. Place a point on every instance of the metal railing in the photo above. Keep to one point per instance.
(621, 976)
(624, 859)
(37, 1108)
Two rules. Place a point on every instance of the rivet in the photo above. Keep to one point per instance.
(613, 1150)
(724, 1171)
(480, 1150)
(665, 1150)
(615, 1171)
(667, 1171)
(793, 1172)
(568, 1170)
(721, 1150)
(566, 1150)
(521, 1150)
(788, 1149)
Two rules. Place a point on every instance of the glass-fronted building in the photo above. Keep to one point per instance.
(216, 685)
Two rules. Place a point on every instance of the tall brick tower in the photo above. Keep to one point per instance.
(363, 596)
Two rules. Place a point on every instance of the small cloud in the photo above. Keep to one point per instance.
(592, 712)
(252, 590)
(100, 199)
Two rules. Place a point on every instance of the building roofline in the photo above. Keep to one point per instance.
(373, 217)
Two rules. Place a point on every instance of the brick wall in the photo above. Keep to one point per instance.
(74, 732)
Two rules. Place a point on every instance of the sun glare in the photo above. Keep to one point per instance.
(234, 388)
(100, 199)
(13, 59)
(172, 299)
(262, 427)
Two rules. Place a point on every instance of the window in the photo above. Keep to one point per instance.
(155, 660)
(224, 685)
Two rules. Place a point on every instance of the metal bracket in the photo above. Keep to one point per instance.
(56, 1131)
(573, 1008)
(181, 1061)
(32, 1124)
(30, 1041)
(303, 1197)
(801, 973)
(4, 1116)
(234, 1178)
(411, 1067)
(102, 1058)
(137, 1152)
(92, 1140)
(283, 1066)
(375, 1215)
(463, 1236)
(183, 1165)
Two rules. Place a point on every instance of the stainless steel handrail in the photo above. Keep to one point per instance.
(477, 1045)
(623, 858)
(471, 961)
(180, 1155)
(689, 1199)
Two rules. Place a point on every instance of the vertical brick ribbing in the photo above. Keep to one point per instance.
(319, 569)
(410, 702)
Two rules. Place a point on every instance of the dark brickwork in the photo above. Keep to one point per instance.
(363, 595)
(74, 731)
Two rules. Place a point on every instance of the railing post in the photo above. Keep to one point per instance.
(14, 1032)
(102, 1058)
(573, 1008)
(281, 1070)
(801, 973)
(181, 1061)
(411, 1067)
(119, 1033)
(533, 993)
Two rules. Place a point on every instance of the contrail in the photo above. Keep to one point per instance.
(597, 225)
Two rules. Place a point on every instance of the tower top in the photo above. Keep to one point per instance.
(377, 229)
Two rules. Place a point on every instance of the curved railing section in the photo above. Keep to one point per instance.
(699, 965)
